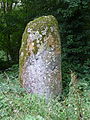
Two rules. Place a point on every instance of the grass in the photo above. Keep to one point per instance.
(16, 104)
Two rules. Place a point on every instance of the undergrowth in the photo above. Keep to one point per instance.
(16, 104)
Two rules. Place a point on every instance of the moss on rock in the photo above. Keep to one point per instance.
(37, 33)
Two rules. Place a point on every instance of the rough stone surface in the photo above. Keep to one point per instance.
(40, 57)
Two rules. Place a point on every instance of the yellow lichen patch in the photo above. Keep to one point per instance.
(30, 47)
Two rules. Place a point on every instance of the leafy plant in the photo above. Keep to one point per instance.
(16, 104)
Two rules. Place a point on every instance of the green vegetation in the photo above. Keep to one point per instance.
(16, 104)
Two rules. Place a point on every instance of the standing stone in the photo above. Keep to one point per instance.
(40, 57)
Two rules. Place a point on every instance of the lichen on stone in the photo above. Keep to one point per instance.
(39, 52)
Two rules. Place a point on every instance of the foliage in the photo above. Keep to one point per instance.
(2, 56)
(16, 104)
(72, 17)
